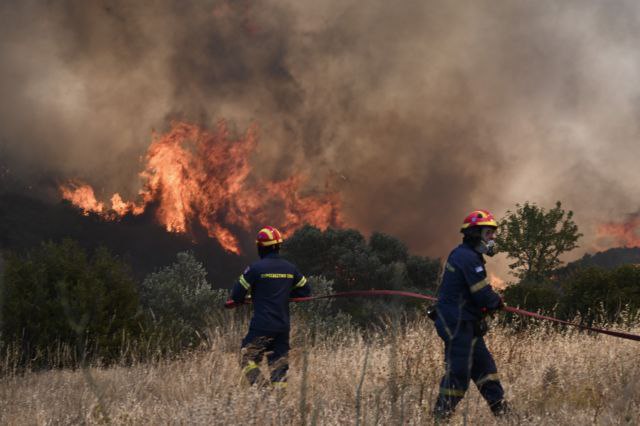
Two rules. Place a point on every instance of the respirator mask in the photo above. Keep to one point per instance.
(486, 247)
(487, 243)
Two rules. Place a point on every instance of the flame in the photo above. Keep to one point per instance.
(623, 233)
(82, 196)
(497, 282)
(194, 175)
(122, 208)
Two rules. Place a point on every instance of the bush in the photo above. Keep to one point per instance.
(321, 314)
(542, 297)
(56, 295)
(178, 300)
(345, 257)
(350, 262)
(600, 294)
(591, 294)
(423, 273)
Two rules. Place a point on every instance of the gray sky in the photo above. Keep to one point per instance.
(417, 112)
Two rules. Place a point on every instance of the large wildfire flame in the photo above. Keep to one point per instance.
(192, 174)
(624, 233)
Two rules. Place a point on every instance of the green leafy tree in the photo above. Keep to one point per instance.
(350, 262)
(423, 272)
(535, 239)
(387, 248)
(57, 294)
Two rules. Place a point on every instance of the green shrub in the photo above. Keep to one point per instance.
(350, 262)
(57, 295)
(602, 295)
(320, 314)
(423, 273)
(177, 301)
(537, 297)
(345, 257)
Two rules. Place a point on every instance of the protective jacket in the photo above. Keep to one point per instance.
(464, 290)
(270, 281)
(463, 294)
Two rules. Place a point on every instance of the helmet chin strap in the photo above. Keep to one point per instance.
(488, 248)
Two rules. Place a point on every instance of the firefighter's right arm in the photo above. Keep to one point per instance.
(242, 287)
(301, 287)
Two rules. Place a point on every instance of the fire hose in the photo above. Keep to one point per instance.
(348, 294)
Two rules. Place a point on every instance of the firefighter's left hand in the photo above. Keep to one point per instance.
(491, 311)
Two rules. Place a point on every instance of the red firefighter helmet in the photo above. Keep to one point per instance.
(268, 236)
(479, 218)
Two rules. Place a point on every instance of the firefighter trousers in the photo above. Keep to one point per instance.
(466, 358)
(257, 344)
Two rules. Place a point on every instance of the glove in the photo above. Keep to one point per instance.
(230, 304)
(489, 311)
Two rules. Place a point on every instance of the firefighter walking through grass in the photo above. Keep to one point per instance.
(270, 282)
(464, 298)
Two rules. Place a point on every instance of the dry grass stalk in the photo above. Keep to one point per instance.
(550, 376)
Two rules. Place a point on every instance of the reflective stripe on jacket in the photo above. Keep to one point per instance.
(270, 281)
(465, 290)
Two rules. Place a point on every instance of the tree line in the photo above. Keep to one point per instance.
(61, 305)
(61, 295)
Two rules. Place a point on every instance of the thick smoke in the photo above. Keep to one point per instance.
(416, 112)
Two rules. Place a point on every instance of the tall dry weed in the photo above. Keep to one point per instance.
(387, 376)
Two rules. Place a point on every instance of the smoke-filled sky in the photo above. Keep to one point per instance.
(416, 112)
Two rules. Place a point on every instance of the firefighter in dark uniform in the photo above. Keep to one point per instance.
(270, 282)
(464, 298)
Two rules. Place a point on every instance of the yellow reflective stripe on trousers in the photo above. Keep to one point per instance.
(452, 392)
(244, 283)
(251, 366)
(301, 283)
(280, 385)
(479, 285)
(488, 378)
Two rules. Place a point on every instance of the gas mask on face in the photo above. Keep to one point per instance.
(487, 243)
(486, 247)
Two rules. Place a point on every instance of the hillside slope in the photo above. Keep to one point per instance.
(146, 246)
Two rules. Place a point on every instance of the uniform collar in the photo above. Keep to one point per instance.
(271, 255)
(470, 247)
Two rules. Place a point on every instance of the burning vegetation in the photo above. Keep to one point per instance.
(194, 175)
(623, 233)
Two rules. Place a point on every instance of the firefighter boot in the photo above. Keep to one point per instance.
(500, 408)
(253, 375)
(444, 408)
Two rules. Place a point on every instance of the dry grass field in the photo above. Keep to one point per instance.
(389, 377)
